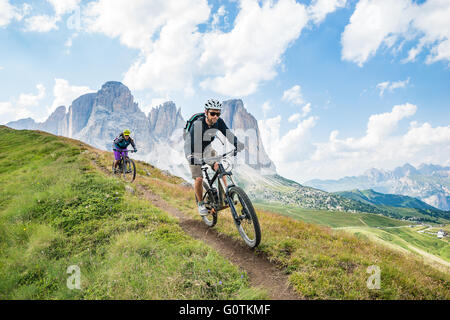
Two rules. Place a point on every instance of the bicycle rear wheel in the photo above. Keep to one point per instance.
(129, 170)
(247, 222)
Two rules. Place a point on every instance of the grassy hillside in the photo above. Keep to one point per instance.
(390, 231)
(408, 239)
(397, 205)
(56, 210)
(333, 219)
(393, 200)
(127, 248)
(322, 263)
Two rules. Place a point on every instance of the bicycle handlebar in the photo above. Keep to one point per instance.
(210, 159)
(124, 150)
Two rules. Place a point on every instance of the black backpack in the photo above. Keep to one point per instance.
(189, 123)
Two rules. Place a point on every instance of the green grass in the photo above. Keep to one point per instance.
(128, 249)
(57, 211)
(323, 263)
(405, 237)
(333, 219)
(428, 243)
(367, 224)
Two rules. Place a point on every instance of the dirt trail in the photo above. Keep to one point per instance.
(260, 271)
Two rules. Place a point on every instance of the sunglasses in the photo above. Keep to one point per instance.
(213, 114)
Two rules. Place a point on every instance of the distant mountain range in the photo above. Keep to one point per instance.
(395, 205)
(429, 183)
(97, 118)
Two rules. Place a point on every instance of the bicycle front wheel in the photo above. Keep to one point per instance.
(129, 170)
(247, 222)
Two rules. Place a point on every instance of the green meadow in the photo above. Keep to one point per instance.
(57, 211)
(333, 219)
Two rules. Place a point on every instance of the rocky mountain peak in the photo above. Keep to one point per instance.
(246, 127)
(405, 170)
(27, 123)
(53, 121)
(233, 108)
(115, 96)
(165, 119)
(97, 118)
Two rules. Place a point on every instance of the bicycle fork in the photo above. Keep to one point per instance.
(230, 201)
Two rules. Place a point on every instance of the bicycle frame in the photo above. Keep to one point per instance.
(223, 191)
(123, 153)
(123, 156)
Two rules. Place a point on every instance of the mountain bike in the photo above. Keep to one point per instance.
(228, 196)
(126, 166)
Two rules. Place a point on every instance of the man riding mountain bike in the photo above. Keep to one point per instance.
(120, 145)
(197, 145)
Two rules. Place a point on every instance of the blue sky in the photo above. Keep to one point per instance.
(342, 66)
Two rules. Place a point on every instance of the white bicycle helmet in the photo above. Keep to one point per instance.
(213, 104)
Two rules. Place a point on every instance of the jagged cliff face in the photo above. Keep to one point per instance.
(245, 126)
(165, 119)
(113, 110)
(53, 122)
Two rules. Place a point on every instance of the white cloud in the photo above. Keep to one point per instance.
(295, 117)
(174, 52)
(378, 22)
(41, 23)
(293, 95)
(64, 94)
(31, 100)
(221, 12)
(46, 23)
(247, 55)
(5, 107)
(371, 24)
(319, 9)
(294, 145)
(391, 86)
(8, 12)
(306, 109)
(64, 6)
(427, 135)
(23, 106)
(382, 146)
(165, 32)
(31, 105)
(266, 108)
(382, 125)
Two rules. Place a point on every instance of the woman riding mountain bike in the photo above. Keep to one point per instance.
(120, 145)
